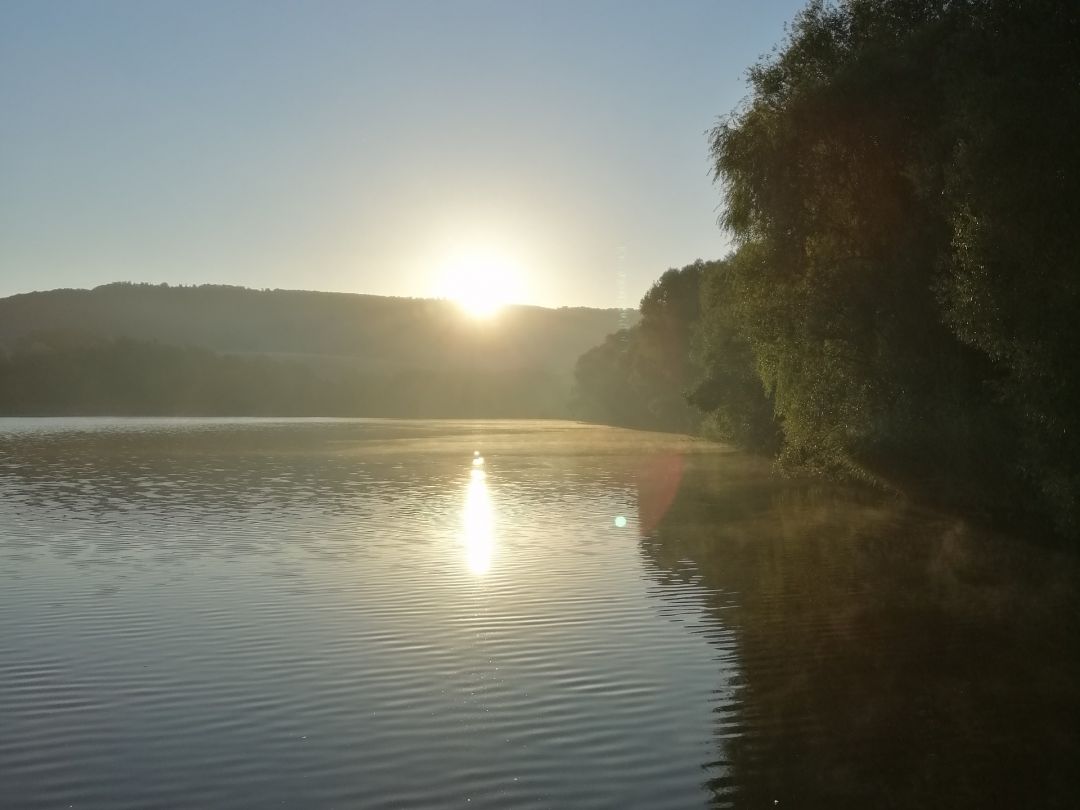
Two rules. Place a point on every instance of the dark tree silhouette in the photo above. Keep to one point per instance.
(902, 185)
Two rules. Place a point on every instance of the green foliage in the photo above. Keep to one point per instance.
(638, 376)
(840, 251)
(903, 186)
(69, 373)
(65, 372)
(729, 389)
(606, 383)
(1011, 286)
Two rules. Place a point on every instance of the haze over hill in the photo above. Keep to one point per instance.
(140, 348)
(370, 329)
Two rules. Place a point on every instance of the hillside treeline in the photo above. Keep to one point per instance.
(64, 373)
(902, 186)
(358, 331)
(144, 349)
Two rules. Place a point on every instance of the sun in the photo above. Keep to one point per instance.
(480, 283)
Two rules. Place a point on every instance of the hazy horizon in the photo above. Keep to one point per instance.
(368, 148)
(184, 285)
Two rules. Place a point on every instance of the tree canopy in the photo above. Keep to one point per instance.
(902, 186)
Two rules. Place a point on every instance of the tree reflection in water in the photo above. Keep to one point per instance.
(888, 657)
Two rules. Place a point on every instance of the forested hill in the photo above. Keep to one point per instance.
(140, 349)
(368, 330)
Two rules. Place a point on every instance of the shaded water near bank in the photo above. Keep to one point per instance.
(309, 613)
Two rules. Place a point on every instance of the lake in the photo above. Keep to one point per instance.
(239, 613)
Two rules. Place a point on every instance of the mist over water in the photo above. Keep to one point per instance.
(320, 613)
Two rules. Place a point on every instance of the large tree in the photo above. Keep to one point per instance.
(902, 182)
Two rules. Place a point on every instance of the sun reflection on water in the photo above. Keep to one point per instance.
(479, 523)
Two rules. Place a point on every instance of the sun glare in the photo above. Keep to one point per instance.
(479, 522)
(481, 284)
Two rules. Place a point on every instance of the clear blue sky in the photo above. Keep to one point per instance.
(359, 146)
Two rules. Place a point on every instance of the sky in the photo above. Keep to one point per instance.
(370, 147)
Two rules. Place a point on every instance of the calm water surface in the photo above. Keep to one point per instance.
(309, 614)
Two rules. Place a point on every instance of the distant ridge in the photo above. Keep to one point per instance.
(363, 331)
(143, 349)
